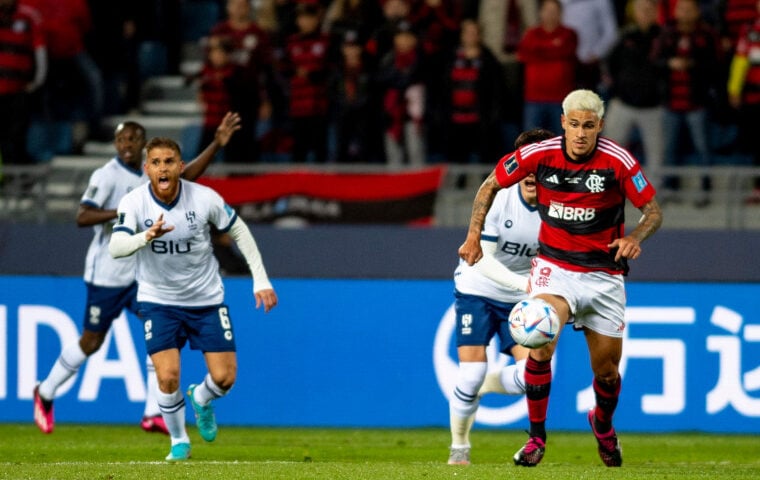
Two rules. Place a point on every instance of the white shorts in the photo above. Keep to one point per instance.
(596, 299)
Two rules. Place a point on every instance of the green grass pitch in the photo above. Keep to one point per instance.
(113, 452)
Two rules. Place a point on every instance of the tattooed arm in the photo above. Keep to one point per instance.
(630, 245)
(471, 251)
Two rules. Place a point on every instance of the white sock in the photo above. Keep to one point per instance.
(151, 387)
(492, 384)
(172, 407)
(464, 401)
(65, 367)
(510, 380)
(207, 390)
(460, 430)
(513, 378)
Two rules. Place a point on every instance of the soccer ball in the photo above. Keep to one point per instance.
(533, 323)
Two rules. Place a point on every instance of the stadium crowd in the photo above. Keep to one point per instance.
(399, 81)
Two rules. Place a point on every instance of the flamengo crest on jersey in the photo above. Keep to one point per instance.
(179, 268)
(513, 225)
(107, 185)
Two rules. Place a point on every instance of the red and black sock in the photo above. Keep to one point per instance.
(607, 395)
(538, 382)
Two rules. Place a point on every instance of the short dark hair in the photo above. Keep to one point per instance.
(163, 142)
(532, 136)
(131, 125)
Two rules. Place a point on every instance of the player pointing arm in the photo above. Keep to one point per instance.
(110, 282)
(166, 224)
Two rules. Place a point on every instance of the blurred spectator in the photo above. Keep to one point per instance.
(23, 66)
(307, 70)
(595, 23)
(731, 16)
(636, 87)
(220, 78)
(251, 47)
(666, 11)
(251, 52)
(113, 43)
(354, 110)
(473, 87)
(277, 18)
(436, 23)
(357, 17)
(503, 23)
(744, 93)
(381, 39)
(547, 53)
(688, 49)
(265, 12)
(402, 83)
(160, 21)
(73, 91)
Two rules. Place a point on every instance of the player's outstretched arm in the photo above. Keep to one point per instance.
(229, 125)
(497, 271)
(263, 291)
(122, 244)
(471, 251)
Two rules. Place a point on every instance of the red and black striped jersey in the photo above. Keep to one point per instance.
(581, 203)
(215, 93)
(20, 36)
(465, 108)
(252, 48)
(308, 70)
(734, 15)
(749, 46)
(691, 88)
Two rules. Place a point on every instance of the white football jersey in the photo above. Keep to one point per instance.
(513, 224)
(179, 268)
(108, 184)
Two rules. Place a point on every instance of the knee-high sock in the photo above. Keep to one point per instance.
(207, 390)
(492, 384)
(607, 395)
(66, 366)
(151, 388)
(464, 401)
(172, 407)
(538, 382)
(510, 380)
